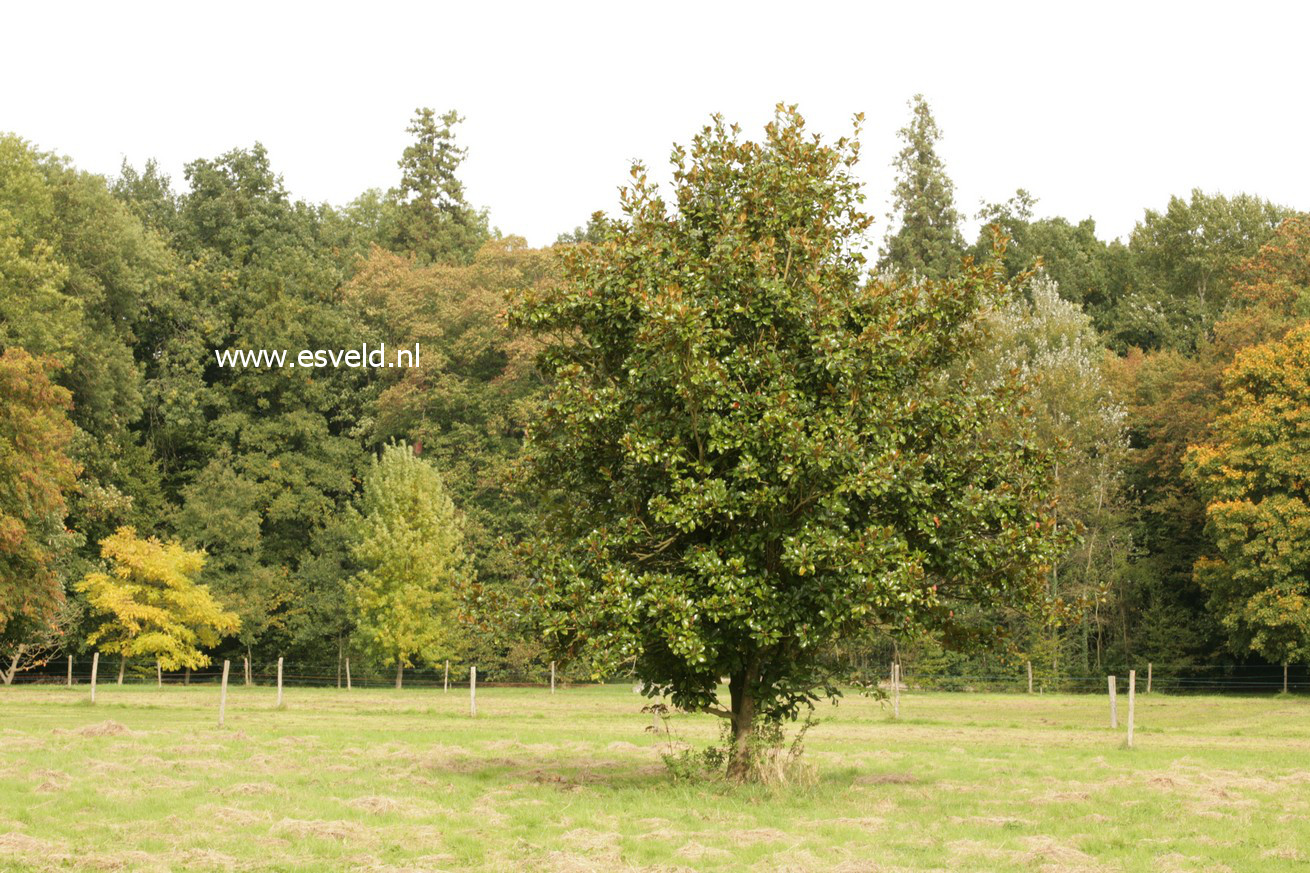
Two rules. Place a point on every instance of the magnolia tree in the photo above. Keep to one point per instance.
(749, 452)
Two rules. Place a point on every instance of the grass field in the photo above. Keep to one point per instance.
(381, 780)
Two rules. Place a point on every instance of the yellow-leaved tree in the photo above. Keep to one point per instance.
(1255, 477)
(149, 603)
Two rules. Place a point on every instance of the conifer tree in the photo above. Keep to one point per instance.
(926, 238)
(433, 220)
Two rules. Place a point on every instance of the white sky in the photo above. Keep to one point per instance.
(1099, 109)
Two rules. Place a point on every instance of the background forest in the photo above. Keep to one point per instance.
(1166, 372)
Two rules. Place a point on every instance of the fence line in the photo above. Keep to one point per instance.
(60, 672)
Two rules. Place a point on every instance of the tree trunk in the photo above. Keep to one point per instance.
(400, 672)
(122, 666)
(186, 680)
(741, 688)
(13, 665)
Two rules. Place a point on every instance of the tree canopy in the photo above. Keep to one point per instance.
(149, 603)
(432, 218)
(1253, 476)
(411, 549)
(36, 476)
(749, 451)
(1089, 384)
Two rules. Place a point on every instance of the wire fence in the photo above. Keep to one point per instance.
(1255, 683)
(1236, 679)
(57, 672)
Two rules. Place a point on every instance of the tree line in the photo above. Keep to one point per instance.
(1092, 451)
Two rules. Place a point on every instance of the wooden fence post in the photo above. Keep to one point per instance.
(1149, 665)
(1284, 677)
(552, 677)
(70, 671)
(446, 681)
(95, 667)
(222, 696)
(1114, 703)
(347, 672)
(279, 682)
(473, 691)
(896, 690)
(1030, 677)
(159, 674)
(1132, 695)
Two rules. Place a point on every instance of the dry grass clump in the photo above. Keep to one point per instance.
(782, 768)
(108, 728)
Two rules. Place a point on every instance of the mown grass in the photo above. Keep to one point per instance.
(381, 780)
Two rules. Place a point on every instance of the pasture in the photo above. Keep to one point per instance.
(380, 780)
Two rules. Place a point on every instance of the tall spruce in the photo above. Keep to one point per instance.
(924, 235)
(432, 219)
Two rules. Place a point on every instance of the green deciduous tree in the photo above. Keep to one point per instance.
(924, 236)
(149, 603)
(411, 548)
(1087, 270)
(1174, 399)
(36, 312)
(79, 274)
(36, 476)
(1051, 345)
(467, 403)
(260, 460)
(749, 453)
(1183, 263)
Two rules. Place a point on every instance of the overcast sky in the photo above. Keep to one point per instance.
(1100, 109)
